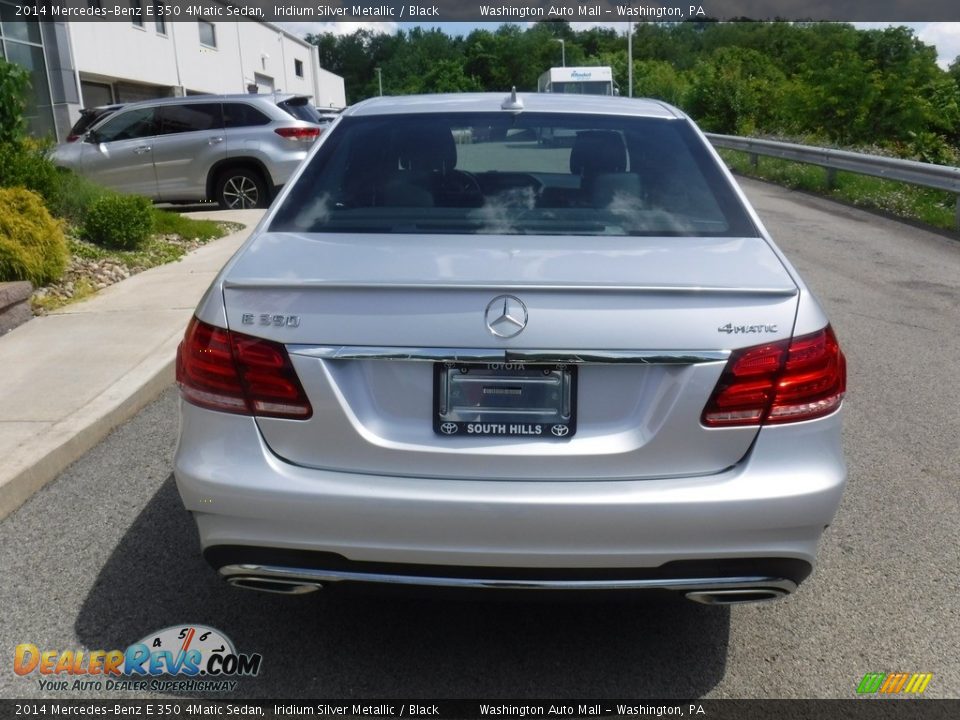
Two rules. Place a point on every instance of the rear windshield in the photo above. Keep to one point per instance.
(88, 118)
(529, 173)
(301, 109)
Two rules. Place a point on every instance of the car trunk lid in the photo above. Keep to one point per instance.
(646, 321)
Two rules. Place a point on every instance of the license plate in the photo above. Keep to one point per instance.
(505, 400)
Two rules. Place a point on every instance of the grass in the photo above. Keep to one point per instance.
(171, 223)
(160, 248)
(936, 208)
(155, 251)
(174, 236)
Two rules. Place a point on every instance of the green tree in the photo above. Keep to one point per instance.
(448, 76)
(14, 81)
(736, 91)
(828, 82)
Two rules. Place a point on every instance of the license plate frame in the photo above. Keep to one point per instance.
(505, 400)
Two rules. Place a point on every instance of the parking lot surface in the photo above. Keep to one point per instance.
(105, 554)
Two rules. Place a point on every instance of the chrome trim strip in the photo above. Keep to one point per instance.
(310, 575)
(274, 284)
(490, 355)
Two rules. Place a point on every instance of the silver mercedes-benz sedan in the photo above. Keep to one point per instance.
(454, 355)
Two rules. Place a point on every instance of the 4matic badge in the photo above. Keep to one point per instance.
(731, 329)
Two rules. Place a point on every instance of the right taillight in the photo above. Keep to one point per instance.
(787, 381)
(299, 134)
(230, 372)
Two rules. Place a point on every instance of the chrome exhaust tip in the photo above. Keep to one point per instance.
(736, 596)
(274, 585)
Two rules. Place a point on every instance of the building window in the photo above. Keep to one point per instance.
(208, 33)
(298, 68)
(137, 7)
(160, 23)
(17, 28)
(21, 43)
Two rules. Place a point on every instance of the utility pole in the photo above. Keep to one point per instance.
(629, 59)
(379, 79)
(563, 51)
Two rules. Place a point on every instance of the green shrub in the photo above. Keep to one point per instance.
(32, 245)
(122, 222)
(14, 81)
(73, 196)
(24, 163)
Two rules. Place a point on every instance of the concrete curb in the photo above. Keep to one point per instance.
(71, 438)
(125, 338)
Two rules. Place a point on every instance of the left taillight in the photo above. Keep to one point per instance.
(227, 371)
(299, 134)
(782, 382)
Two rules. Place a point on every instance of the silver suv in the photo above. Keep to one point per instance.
(234, 149)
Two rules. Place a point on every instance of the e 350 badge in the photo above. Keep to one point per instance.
(204, 655)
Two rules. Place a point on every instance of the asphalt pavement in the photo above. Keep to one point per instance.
(71, 376)
(105, 553)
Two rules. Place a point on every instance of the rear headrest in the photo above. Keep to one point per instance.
(427, 149)
(598, 151)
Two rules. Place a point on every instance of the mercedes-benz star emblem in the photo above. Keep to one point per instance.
(449, 428)
(506, 316)
(560, 430)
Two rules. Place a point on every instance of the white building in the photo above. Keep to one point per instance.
(89, 63)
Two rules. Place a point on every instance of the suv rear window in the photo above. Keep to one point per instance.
(301, 109)
(91, 116)
(530, 173)
(242, 115)
(190, 117)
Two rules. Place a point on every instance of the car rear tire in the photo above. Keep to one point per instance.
(240, 189)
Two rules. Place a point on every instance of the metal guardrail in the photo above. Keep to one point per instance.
(941, 177)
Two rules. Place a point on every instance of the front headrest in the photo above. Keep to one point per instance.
(427, 149)
(598, 151)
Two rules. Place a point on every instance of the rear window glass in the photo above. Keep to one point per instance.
(129, 125)
(88, 118)
(300, 109)
(242, 115)
(530, 173)
(190, 117)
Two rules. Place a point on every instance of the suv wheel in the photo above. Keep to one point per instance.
(240, 188)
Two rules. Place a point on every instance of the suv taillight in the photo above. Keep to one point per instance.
(300, 134)
(781, 382)
(227, 371)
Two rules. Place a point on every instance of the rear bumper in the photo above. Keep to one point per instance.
(297, 572)
(760, 520)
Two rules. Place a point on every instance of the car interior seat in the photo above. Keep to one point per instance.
(424, 156)
(599, 157)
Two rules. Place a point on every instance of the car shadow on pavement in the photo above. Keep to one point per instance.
(330, 645)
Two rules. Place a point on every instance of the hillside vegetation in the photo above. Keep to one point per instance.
(820, 83)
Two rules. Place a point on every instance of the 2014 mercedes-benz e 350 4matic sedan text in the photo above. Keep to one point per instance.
(455, 355)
